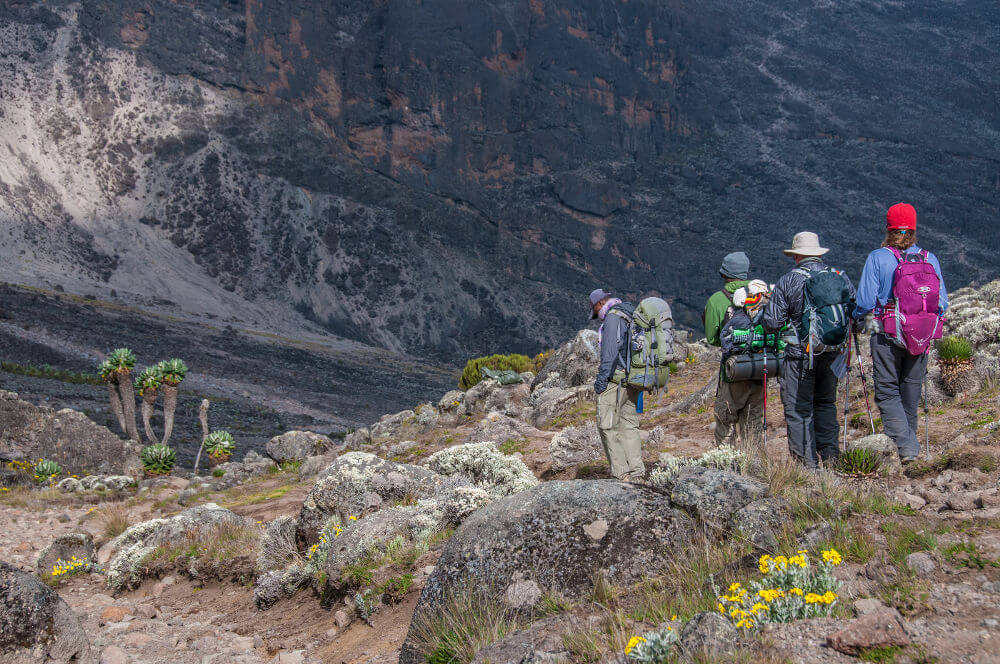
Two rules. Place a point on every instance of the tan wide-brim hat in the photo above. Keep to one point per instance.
(806, 244)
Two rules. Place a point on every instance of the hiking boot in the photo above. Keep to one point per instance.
(907, 460)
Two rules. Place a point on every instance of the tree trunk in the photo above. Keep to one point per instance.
(169, 405)
(203, 416)
(148, 401)
(127, 393)
(116, 405)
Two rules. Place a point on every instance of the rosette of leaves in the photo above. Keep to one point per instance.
(46, 469)
(147, 384)
(957, 368)
(158, 459)
(122, 361)
(220, 445)
(110, 377)
(859, 461)
(172, 372)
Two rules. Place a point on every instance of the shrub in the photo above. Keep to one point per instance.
(158, 459)
(46, 470)
(218, 472)
(471, 374)
(539, 360)
(859, 461)
(954, 349)
(220, 444)
(651, 648)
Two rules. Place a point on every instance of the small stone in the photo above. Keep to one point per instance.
(522, 595)
(342, 619)
(877, 630)
(147, 611)
(331, 633)
(965, 501)
(114, 655)
(921, 563)
(912, 501)
(137, 639)
(112, 614)
(867, 606)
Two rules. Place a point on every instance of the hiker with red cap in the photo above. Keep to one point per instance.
(903, 287)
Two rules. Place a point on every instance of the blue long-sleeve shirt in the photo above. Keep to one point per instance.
(875, 287)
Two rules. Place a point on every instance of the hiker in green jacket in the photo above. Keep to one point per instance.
(735, 271)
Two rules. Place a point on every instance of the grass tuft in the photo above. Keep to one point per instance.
(468, 620)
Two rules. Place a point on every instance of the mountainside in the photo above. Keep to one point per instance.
(449, 177)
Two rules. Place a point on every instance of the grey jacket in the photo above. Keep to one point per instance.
(612, 343)
(788, 301)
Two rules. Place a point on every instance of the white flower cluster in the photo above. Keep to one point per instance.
(462, 501)
(488, 468)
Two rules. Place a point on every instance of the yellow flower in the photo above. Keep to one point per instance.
(813, 598)
(722, 609)
(673, 617)
(795, 591)
(833, 557)
(734, 587)
(352, 518)
(633, 642)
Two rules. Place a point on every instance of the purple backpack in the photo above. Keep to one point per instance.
(912, 319)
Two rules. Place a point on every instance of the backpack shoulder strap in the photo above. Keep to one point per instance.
(896, 253)
(623, 311)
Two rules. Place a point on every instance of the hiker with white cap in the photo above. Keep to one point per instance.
(816, 301)
(617, 405)
(740, 402)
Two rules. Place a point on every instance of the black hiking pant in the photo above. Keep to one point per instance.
(899, 378)
(810, 400)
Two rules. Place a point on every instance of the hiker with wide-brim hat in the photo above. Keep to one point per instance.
(617, 405)
(901, 278)
(815, 301)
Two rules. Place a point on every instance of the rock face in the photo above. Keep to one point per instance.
(714, 495)
(501, 155)
(36, 624)
(575, 362)
(67, 437)
(561, 534)
(297, 446)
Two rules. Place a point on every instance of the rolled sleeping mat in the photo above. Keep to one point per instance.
(750, 366)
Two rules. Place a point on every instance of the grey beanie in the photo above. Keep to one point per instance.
(735, 266)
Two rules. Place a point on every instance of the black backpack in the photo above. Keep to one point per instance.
(826, 310)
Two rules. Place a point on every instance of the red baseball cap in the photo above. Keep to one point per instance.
(901, 216)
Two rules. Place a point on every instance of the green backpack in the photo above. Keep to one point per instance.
(651, 345)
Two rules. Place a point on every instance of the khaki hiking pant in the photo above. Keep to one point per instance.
(618, 424)
(739, 415)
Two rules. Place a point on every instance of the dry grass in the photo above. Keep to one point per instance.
(113, 520)
(468, 620)
(224, 542)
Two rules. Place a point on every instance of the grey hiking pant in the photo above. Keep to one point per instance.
(618, 425)
(899, 378)
(810, 400)
(740, 404)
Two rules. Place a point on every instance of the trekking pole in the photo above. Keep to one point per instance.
(847, 392)
(927, 424)
(864, 382)
(764, 433)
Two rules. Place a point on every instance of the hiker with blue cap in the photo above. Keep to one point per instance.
(617, 404)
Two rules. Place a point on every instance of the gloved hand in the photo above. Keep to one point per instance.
(600, 385)
(860, 325)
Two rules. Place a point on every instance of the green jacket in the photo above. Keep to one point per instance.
(715, 311)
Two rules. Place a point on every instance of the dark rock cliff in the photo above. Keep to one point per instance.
(452, 177)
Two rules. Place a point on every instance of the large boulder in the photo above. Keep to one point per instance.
(499, 427)
(575, 362)
(78, 445)
(130, 549)
(485, 466)
(36, 625)
(560, 534)
(574, 446)
(550, 403)
(714, 495)
(357, 483)
(64, 548)
(297, 446)
(392, 426)
(762, 522)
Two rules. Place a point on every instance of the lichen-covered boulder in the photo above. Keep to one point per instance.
(508, 399)
(357, 483)
(390, 426)
(761, 522)
(562, 534)
(485, 466)
(499, 427)
(132, 547)
(574, 446)
(575, 362)
(237, 472)
(707, 635)
(355, 440)
(64, 548)
(314, 465)
(77, 444)
(552, 402)
(36, 625)
(714, 495)
(451, 402)
(297, 446)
